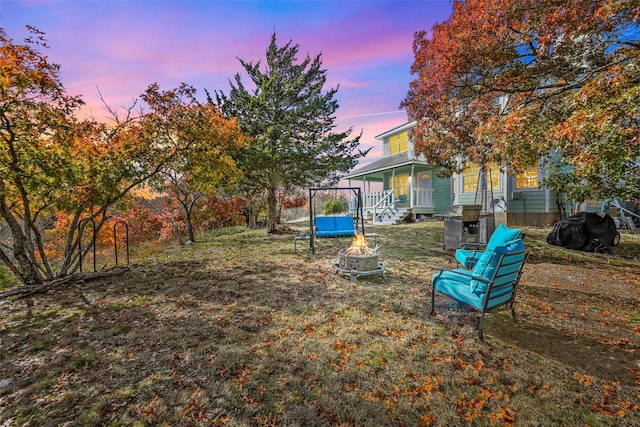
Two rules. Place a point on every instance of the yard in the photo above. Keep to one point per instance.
(238, 330)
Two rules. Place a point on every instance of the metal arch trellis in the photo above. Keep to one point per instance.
(115, 239)
(81, 227)
(93, 241)
(359, 210)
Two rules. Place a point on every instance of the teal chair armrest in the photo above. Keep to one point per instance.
(467, 274)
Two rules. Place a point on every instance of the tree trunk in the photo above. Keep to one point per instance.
(190, 232)
(272, 210)
(26, 269)
(187, 206)
(251, 223)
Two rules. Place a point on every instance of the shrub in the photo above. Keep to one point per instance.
(334, 206)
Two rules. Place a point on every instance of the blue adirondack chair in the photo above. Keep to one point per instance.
(469, 253)
(489, 278)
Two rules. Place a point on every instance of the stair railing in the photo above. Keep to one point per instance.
(385, 205)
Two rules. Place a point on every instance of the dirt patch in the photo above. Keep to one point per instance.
(586, 318)
(284, 230)
(609, 362)
(587, 279)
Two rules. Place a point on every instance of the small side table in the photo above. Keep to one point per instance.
(301, 236)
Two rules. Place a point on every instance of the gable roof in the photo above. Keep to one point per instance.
(401, 159)
(396, 129)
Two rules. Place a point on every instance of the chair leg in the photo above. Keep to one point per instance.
(480, 336)
(433, 295)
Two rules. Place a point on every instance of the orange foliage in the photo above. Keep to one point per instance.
(508, 81)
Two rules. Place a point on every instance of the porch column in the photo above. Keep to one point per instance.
(411, 178)
(365, 198)
(392, 184)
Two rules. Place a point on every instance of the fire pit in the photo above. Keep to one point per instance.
(359, 260)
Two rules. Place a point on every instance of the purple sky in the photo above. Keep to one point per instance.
(121, 47)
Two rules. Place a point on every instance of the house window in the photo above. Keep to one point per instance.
(399, 143)
(401, 186)
(528, 178)
(494, 172)
(470, 178)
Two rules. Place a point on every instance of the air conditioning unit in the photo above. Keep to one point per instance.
(499, 205)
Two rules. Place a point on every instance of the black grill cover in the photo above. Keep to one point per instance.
(584, 231)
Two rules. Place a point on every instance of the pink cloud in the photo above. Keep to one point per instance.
(125, 46)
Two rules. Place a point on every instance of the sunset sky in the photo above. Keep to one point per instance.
(121, 47)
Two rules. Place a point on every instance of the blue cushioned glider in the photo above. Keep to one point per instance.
(334, 226)
(325, 226)
(344, 225)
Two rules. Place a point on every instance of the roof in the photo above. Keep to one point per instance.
(386, 163)
(396, 129)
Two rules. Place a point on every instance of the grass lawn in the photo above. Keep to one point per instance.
(238, 330)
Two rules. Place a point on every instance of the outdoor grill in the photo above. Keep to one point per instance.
(461, 225)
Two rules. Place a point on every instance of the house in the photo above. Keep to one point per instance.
(407, 187)
(401, 186)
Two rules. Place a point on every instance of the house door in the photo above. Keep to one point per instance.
(423, 196)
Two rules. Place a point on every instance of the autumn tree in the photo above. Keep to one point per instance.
(512, 81)
(255, 201)
(220, 210)
(212, 141)
(291, 121)
(52, 164)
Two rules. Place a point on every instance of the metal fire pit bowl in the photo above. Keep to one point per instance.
(358, 265)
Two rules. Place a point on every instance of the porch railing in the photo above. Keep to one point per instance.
(377, 198)
(423, 197)
(378, 203)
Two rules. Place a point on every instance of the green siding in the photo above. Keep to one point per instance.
(442, 195)
(441, 187)
(467, 199)
(533, 201)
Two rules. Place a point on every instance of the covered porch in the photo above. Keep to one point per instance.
(395, 187)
